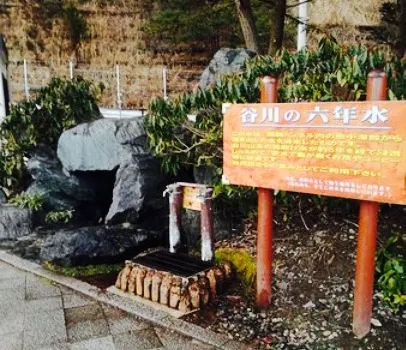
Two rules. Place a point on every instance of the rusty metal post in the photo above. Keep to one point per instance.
(368, 224)
(269, 93)
(207, 225)
(175, 215)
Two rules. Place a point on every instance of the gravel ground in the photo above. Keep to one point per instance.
(312, 292)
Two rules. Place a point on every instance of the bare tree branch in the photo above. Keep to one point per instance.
(273, 3)
(308, 26)
(298, 4)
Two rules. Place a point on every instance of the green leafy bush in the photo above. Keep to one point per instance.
(59, 216)
(25, 201)
(331, 73)
(61, 105)
(391, 267)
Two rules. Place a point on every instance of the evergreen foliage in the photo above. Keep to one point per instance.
(61, 105)
(391, 269)
(331, 73)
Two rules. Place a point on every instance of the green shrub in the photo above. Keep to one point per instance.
(331, 73)
(25, 201)
(61, 105)
(59, 216)
(391, 268)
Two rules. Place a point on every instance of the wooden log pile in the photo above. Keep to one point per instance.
(184, 294)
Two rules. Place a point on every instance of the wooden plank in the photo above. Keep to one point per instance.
(191, 198)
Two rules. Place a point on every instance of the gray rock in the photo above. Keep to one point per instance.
(60, 191)
(3, 197)
(14, 222)
(93, 245)
(53, 200)
(138, 189)
(224, 61)
(102, 145)
(191, 228)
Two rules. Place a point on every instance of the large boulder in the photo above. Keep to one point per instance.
(224, 61)
(102, 145)
(60, 190)
(93, 245)
(137, 190)
(53, 200)
(14, 222)
(118, 148)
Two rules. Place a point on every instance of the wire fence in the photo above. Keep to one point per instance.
(124, 88)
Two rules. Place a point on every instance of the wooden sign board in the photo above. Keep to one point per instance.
(342, 149)
(191, 198)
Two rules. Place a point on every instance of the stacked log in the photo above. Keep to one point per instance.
(132, 284)
(165, 288)
(204, 290)
(140, 282)
(193, 289)
(156, 286)
(185, 303)
(184, 294)
(174, 294)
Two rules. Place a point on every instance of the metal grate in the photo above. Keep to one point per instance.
(176, 263)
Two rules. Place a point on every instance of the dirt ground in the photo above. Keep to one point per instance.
(313, 283)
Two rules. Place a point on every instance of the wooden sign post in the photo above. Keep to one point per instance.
(269, 94)
(368, 227)
(343, 149)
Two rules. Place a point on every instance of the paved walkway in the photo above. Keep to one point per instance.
(37, 314)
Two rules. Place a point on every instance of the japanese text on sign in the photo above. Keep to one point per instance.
(272, 116)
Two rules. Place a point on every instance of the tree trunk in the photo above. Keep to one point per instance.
(402, 29)
(247, 23)
(277, 27)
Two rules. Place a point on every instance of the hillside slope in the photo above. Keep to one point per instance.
(116, 37)
(37, 32)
